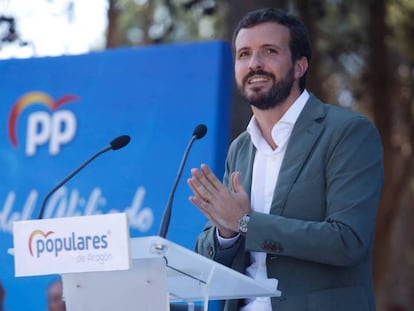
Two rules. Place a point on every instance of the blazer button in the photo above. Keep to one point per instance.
(210, 251)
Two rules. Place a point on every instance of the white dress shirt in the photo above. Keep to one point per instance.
(266, 169)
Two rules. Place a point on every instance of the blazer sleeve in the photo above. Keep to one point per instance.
(207, 243)
(208, 246)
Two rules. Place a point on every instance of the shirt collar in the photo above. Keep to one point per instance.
(283, 128)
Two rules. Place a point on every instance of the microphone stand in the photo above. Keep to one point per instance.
(165, 222)
(42, 208)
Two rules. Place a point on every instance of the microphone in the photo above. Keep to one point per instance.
(117, 143)
(199, 132)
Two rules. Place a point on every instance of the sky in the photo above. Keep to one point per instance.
(49, 30)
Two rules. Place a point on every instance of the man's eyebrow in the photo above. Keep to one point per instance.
(272, 45)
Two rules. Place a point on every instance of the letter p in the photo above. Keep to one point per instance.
(58, 128)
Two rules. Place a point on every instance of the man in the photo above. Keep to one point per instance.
(2, 297)
(301, 186)
(54, 296)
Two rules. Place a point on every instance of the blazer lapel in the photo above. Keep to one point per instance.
(304, 135)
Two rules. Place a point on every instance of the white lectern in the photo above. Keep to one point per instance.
(159, 271)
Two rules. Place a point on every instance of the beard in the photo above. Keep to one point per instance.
(277, 94)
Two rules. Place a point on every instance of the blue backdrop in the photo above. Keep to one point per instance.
(57, 112)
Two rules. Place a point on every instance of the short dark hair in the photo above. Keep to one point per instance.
(299, 41)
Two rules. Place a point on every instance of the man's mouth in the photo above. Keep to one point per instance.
(257, 80)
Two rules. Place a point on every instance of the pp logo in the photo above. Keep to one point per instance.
(56, 128)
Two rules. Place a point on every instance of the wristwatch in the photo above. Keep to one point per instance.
(243, 224)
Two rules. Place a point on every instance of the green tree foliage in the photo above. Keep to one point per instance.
(142, 22)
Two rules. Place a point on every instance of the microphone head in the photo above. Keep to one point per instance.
(120, 142)
(200, 131)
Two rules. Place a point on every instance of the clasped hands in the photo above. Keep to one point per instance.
(223, 207)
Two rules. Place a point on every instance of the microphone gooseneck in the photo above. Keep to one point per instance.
(198, 133)
(115, 144)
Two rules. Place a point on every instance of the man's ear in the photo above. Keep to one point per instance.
(301, 66)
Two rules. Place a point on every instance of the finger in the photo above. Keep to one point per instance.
(202, 205)
(211, 177)
(200, 185)
(235, 182)
(195, 173)
(198, 189)
(205, 185)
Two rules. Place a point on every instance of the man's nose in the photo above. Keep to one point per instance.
(256, 62)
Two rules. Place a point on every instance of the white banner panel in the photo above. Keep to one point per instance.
(71, 244)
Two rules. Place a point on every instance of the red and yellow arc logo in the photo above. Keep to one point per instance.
(29, 99)
(34, 233)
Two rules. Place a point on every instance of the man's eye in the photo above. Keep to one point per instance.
(270, 51)
(243, 54)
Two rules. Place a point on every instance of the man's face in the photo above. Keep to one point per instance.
(55, 302)
(2, 295)
(263, 65)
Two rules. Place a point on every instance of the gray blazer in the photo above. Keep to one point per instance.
(319, 234)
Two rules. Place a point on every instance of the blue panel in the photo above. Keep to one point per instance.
(57, 112)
